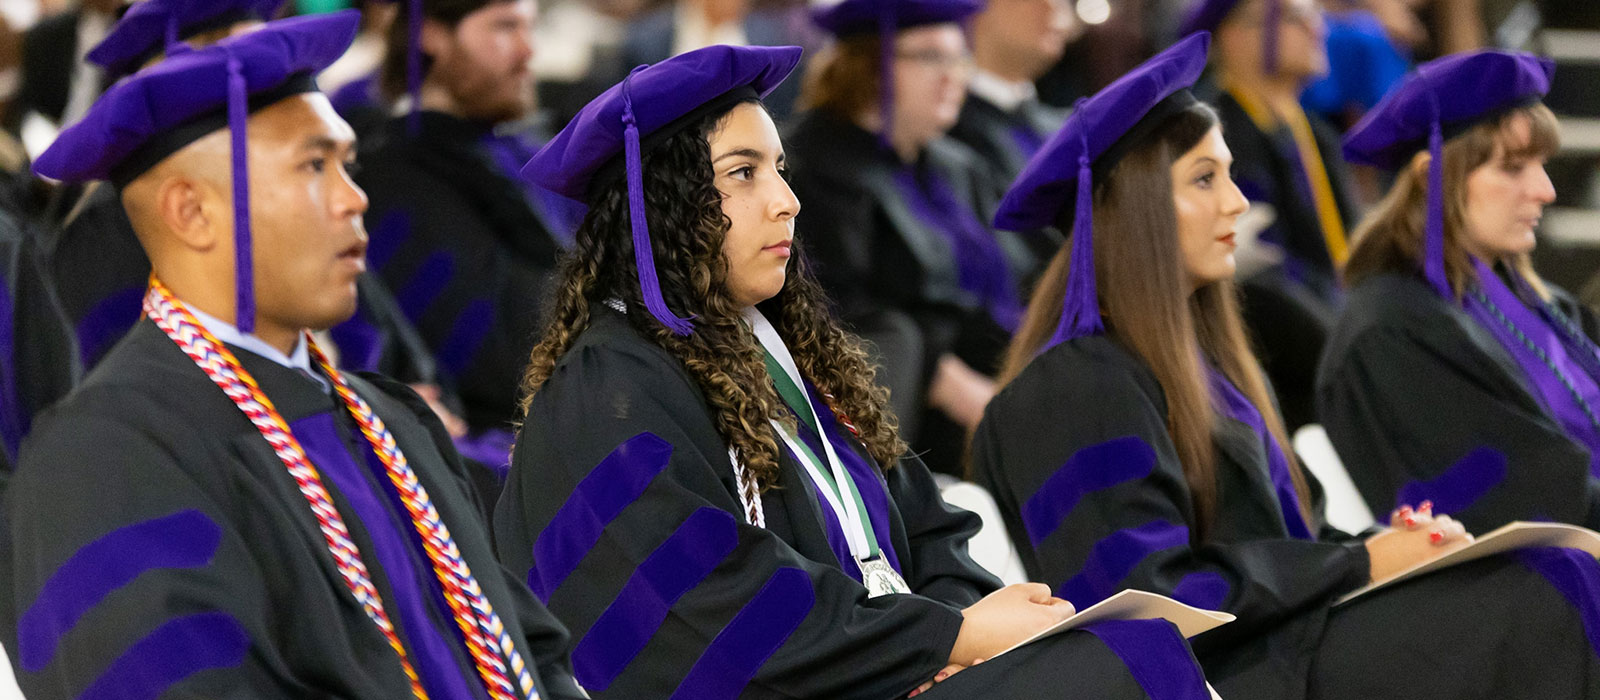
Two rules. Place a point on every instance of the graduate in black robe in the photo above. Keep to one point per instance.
(1123, 457)
(467, 249)
(1476, 391)
(781, 550)
(261, 524)
(1288, 160)
(1014, 42)
(38, 363)
(897, 220)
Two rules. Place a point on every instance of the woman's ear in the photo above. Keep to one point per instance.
(1419, 164)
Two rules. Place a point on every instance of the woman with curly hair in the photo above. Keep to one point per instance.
(1137, 445)
(708, 489)
(1457, 374)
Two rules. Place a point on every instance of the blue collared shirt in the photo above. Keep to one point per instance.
(298, 359)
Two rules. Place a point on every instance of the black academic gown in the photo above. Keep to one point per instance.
(38, 357)
(157, 545)
(101, 271)
(467, 257)
(1413, 391)
(622, 508)
(1005, 139)
(1077, 454)
(1290, 308)
(894, 278)
(49, 56)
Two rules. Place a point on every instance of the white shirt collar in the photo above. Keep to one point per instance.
(299, 358)
(691, 31)
(1005, 94)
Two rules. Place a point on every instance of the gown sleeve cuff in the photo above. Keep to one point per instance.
(1357, 566)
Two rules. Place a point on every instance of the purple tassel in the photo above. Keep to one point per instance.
(1433, 236)
(1269, 37)
(644, 259)
(1080, 309)
(414, 66)
(244, 309)
(174, 46)
(172, 32)
(886, 35)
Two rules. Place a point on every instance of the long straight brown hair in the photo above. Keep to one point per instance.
(1389, 239)
(1146, 301)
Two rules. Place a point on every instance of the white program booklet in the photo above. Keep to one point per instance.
(1138, 605)
(1518, 535)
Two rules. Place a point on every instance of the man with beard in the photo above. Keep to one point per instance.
(1013, 43)
(466, 246)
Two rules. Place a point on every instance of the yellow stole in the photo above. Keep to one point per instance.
(1315, 171)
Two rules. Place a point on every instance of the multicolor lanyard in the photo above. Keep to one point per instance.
(485, 635)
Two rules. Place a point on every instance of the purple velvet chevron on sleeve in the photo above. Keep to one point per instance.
(1090, 469)
(687, 556)
(1459, 487)
(599, 498)
(752, 637)
(183, 540)
(1115, 556)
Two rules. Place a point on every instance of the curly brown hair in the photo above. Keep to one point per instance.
(687, 228)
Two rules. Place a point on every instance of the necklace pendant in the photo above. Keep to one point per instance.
(880, 578)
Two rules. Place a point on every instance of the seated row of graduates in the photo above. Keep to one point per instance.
(708, 490)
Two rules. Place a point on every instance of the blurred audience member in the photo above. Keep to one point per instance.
(1013, 43)
(57, 84)
(467, 247)
(1364, 62)
(897, 214)
(685, 25)
(37, 359)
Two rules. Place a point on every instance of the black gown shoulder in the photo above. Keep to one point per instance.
(1005, 140)
(1077, 454)
(156, 544)
(1423, 402)
(38, 353)
(99, 270)
(467, 258)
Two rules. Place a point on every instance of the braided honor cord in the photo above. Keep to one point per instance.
(482, 629)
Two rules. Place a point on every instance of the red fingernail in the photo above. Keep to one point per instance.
(1436, 536)
(1405, 510)
(1425, 505)
(1410, 521)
